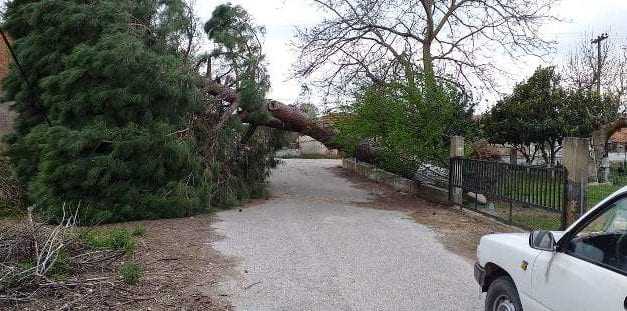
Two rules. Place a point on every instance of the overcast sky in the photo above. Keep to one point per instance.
(281, 16)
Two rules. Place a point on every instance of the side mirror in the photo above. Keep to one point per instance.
(542, 240)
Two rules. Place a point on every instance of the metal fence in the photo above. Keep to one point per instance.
(595, 191)
(529, 197)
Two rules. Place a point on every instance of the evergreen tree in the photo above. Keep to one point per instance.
(104, 90)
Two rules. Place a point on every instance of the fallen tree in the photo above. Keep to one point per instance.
(282, 116)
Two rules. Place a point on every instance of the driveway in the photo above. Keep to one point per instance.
(311, 247)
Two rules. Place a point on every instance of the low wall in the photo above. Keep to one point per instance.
(371, 172)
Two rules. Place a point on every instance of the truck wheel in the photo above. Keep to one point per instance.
(503, 296)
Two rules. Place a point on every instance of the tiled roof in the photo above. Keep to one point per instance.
(619, 137)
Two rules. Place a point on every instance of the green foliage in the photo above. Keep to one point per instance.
(238, 171)
(115, 239)
(241, 171)
(541, 112)
(113, 93)
(106, 92)
(408, 124)
(239, 48)
(131, 273)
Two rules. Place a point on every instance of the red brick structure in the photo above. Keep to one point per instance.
(6, 116)
(5, 60)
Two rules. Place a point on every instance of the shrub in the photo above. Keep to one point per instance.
(63, 252)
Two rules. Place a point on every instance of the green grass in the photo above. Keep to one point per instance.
(117, 239)
(61, 268)
(544, 223)
(525, 217)
(131, 273)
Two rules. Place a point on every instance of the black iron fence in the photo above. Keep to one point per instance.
(530, 197)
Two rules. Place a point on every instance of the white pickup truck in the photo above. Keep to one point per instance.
(581, 269)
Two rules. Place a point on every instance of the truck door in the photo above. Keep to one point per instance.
(589, 270)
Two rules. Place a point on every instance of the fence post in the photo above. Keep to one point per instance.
(513, 156)
(457, 151)
(576, 156)
(604, 170)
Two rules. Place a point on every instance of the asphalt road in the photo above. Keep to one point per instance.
(311, 248)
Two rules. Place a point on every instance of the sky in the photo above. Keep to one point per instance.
(579, 17)
(280, 17)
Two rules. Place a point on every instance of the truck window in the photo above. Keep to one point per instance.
(604, 240)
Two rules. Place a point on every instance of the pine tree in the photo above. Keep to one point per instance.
(103, 93)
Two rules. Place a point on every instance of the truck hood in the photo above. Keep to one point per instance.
(507, 238)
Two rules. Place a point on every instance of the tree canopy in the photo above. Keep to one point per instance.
(540, 113)
(390, 40)
(104, 88)
(114, 116)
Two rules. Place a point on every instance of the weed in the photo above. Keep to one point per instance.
(131, 273)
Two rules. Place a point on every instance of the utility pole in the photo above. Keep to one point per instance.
(598, 41)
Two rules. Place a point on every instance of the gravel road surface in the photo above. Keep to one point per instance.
(311, 248)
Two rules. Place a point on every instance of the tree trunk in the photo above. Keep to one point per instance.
(284, 117)
(427, 64)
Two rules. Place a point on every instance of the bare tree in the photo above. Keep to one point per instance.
(581, 67)
(383, 40)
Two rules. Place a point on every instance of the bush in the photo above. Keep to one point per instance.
(131, 273)
(408, 125)
(12, 203)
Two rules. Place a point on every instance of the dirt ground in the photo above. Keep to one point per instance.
(180, 266)
(458, 232)
(179, 271)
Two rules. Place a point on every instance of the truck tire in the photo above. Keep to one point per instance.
(503, 296)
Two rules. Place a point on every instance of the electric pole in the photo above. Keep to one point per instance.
(598, 41)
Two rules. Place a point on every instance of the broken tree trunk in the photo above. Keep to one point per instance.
(283, 116)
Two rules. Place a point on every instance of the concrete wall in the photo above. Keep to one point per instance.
(369, 171)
